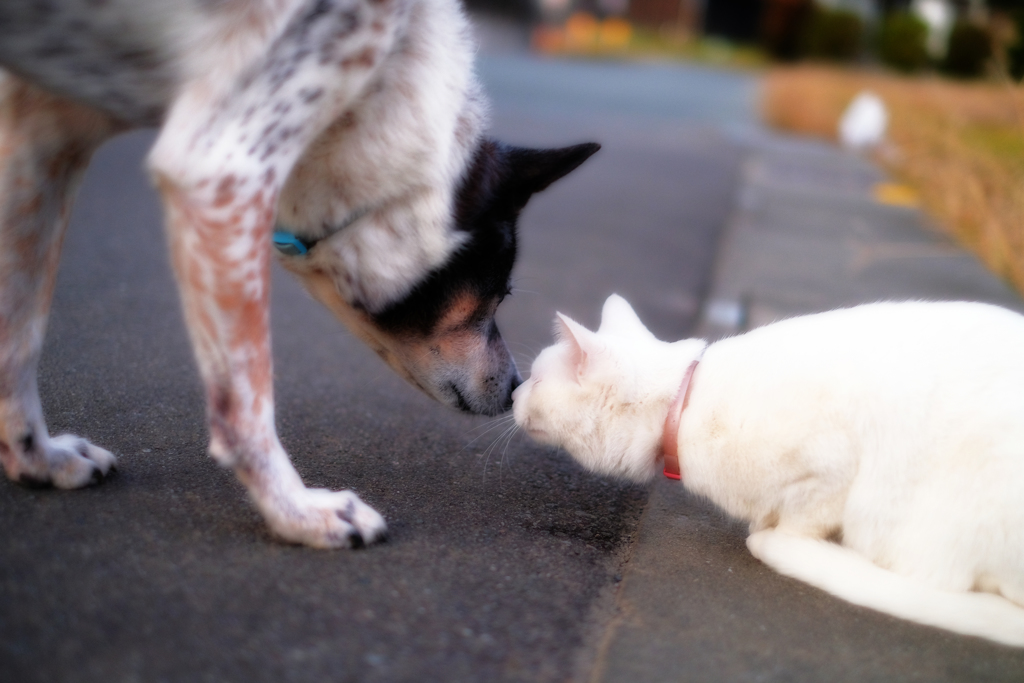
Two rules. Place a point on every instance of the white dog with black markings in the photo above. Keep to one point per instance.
(349, 132)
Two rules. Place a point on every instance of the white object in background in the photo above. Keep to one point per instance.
(864, 121)
(939, 15)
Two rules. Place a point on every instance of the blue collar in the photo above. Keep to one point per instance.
(289, 244)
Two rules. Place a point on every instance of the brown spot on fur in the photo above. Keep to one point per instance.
(347, 120)
(218, 301)
(30, 207)
(225, 191)
(41, 115)
(366, 58)
(72, 157)
(466, 312)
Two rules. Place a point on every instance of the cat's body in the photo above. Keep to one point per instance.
(877, 452)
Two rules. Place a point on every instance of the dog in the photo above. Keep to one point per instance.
(347, 133)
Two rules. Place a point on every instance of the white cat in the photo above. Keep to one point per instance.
(877, 452)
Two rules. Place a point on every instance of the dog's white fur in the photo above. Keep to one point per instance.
(877, 452)
(303, 112)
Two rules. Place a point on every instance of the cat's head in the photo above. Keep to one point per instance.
(601, 395)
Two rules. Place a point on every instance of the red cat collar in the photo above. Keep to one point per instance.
(670, 437)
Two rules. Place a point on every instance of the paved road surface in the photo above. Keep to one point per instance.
(500, 554)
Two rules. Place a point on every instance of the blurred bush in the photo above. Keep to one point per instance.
(902, 41)
(782, 27)
(833, 34)
(1015, 51)
(968, 52)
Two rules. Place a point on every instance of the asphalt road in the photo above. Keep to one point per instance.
(501, 554)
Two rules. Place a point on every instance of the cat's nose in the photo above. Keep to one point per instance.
(517, 393)
(514, 383)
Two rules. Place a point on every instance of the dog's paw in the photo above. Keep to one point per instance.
(327, 519)
(67, 462)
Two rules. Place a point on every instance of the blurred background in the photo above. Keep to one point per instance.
(948, 72)
(963, 38)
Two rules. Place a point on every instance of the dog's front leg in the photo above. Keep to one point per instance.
(220, 248)
(45, 145)
(223, 156)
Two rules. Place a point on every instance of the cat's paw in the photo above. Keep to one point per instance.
(325, 519)
(66, 461)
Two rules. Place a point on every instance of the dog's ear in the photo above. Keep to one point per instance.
(501, 179)
(528, 171)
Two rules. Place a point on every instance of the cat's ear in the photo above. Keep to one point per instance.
(582, 342)
(619, 318)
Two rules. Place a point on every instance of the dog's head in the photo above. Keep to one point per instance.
(440, 333)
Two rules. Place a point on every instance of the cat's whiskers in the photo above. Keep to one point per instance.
(490, 425)
(509, 431)
(508, 440)
(516, 289)
(521, 360)
(519, 343)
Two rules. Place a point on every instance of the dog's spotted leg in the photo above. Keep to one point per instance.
(220, 164)
(220, 248)
(45, 145)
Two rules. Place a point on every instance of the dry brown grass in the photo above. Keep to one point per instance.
(960, 145)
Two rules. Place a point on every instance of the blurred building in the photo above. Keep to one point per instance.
(740, 20)
(686, 15)
(772, 23)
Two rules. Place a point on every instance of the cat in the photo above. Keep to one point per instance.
(877, 452)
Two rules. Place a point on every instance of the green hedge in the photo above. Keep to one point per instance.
(968, 51)
(833, 34)
(1015, 53)
(902, 42)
